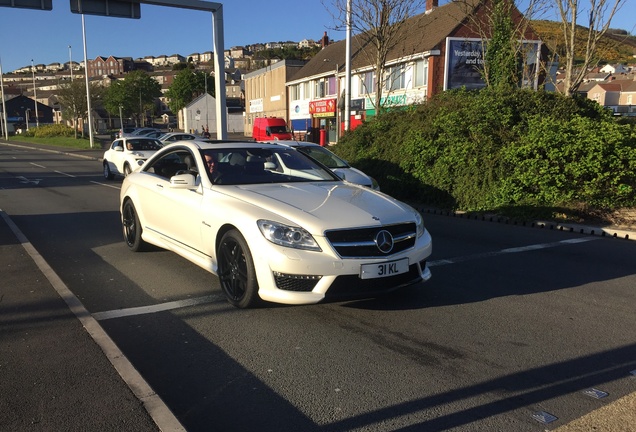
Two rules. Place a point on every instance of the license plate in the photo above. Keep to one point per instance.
(385, 269)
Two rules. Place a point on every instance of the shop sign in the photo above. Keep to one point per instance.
(321, 108)
(256, 105)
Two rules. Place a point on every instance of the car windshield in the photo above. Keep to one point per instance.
(323, 156)
(234, 166)
(143, 144)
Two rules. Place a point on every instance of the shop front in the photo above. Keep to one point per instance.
(323, 113)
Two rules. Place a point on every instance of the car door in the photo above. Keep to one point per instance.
(117, 156)
(174, 213)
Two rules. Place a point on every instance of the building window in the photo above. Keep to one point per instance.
(305, 91)
(629, 99)
(294, 92)
(420, 73)
(333, 87)
(319, 88)
(367, 83)
(395, 78)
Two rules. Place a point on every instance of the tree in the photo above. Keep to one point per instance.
(500, 57)
(72, 98)
(135, 94)
(599, 17)
(379, 25)
(188, 85)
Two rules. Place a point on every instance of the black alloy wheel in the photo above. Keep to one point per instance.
(236, 271)
(132, 228)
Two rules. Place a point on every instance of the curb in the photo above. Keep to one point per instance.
(609, 231)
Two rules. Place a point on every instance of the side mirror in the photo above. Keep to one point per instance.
(183, 181)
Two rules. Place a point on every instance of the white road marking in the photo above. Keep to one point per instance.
(105, 184)
(66, 174)
(457, 260)
(39, 166)
(156, 407)
(141, 310)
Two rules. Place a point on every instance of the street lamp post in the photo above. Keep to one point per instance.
(121, 120)
(26, 115)
(5, 129)
(70, 61)
(35, 96)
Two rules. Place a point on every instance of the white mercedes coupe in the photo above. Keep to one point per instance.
(294, 235)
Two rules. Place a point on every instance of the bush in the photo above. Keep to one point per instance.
(50, 130)
(478, 150)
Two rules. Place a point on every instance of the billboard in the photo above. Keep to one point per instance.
(465, 63)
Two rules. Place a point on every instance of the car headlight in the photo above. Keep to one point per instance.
(288, 236)
(419, 223)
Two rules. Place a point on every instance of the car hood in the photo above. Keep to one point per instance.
(353, 175)
(321, 206)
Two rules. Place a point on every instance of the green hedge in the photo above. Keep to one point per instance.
(50, 130)
(482, 150)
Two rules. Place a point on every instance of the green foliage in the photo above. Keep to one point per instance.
(49, 131)
(502, 67)
(578, 160)
(489, 149)
(135, 94)
(186, 86)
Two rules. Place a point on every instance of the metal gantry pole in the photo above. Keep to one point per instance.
(219, 76)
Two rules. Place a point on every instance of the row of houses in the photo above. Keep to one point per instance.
(439, 50)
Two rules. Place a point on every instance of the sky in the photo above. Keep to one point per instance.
(45, 36)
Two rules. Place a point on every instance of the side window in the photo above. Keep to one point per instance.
(172, 163)
(117, 143)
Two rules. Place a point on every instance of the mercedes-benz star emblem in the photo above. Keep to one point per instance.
(384, 241)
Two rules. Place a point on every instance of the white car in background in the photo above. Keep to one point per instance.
(126, 155)
(294, 238)
(333, 162)
(171, 137)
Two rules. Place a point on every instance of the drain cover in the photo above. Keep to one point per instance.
(595, 393)
(544, 417)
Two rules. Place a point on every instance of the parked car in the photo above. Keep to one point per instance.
(144, 131)
(154, 134)
(126, 131)
(126, 155)
(176, 136)
(294, 237)
(333, 162)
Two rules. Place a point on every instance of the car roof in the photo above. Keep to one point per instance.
(294, 143)
(219, 144)
(138, 137)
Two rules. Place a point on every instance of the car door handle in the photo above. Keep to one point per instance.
(160, 186)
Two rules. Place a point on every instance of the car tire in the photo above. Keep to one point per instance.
(127, 170)
(108, 175)
(236, 271)
(132, 228)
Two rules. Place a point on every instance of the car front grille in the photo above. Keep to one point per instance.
(361, 242)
